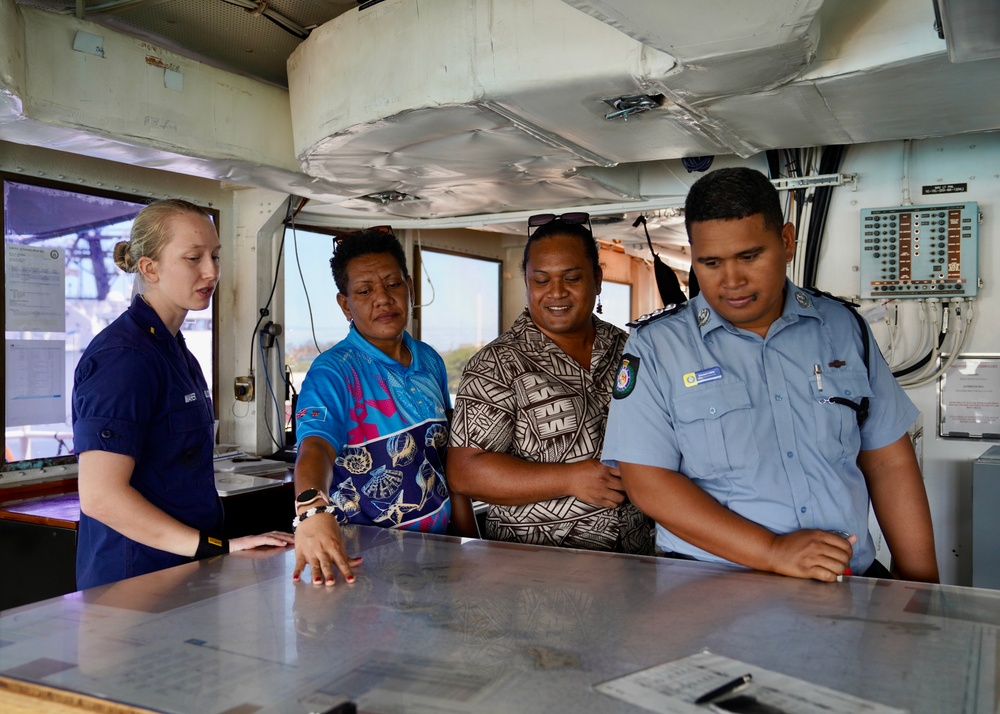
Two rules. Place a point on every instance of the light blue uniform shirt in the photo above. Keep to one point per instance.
(745, 419)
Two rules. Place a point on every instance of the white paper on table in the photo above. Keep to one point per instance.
(672, 687)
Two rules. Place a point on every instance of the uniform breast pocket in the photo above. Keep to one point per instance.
(714, 430)
(191, 429)
(837, 432)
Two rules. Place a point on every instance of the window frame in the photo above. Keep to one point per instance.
(9, 177)
(418, 267)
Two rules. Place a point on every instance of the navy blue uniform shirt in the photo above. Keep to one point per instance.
(139, 391)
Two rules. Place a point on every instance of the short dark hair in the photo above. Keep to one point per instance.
(366, 242)
(558, 227)
(733, 193)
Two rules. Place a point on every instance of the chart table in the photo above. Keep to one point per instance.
(441, 624)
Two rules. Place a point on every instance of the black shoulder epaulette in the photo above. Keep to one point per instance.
(657, 314)
(843, 301)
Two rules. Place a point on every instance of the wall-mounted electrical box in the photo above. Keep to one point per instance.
(920, 251)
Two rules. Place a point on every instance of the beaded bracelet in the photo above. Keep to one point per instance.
(308, 514)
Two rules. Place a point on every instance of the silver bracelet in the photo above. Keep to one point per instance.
(308, 514)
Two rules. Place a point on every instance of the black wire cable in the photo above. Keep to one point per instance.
(829, 164)
(270, 388)
(793, 170)
(925, 359)
(914, 367)
(266, 310)
(773, 163)
(811, 257)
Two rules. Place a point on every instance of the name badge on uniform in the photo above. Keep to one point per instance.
(188, 398)
(693, 379)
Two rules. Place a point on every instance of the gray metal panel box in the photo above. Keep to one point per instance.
(986, 519)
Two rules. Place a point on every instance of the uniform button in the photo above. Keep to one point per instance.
(788, 454)
(711, 410)
(106, 434)
(777, 397)
(847, 392)
(803, 509)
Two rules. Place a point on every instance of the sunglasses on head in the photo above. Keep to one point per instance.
(340, 238)
(540, 219)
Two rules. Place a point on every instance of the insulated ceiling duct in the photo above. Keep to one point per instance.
(469, 107)
(484, 107)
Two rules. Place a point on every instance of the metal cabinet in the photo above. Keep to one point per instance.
(986, 519)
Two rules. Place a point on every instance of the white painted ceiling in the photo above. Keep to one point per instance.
(481, 112)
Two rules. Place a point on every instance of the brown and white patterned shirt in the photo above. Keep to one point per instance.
(522, 395)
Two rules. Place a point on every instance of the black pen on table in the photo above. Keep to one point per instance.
(723, 690)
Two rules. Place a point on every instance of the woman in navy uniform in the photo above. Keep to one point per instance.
(143, 422)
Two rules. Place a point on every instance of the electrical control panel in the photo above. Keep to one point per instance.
(920, 251)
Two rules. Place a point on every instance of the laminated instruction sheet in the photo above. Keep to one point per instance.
(722, 684)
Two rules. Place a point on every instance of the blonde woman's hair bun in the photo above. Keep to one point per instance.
(123, 256)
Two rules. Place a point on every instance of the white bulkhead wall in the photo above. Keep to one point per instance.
(969, 158)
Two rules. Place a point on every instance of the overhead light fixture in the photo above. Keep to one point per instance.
(671, 212)
(630, 104)
(384, 198)
(697, 163)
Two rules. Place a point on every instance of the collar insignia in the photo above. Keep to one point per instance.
(803, 299)
(704, 315)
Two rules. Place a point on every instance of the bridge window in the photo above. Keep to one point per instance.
(616, 298)
(458, 298)
(61, 288)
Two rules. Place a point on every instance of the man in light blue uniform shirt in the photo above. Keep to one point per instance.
(735, 418)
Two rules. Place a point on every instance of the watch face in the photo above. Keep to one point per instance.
(308, 495)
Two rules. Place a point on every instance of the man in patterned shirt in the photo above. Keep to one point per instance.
(531, 408)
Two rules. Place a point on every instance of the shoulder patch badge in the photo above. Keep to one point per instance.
(625, 377)
(656, 314)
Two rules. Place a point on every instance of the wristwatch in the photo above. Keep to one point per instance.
(308, 496)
